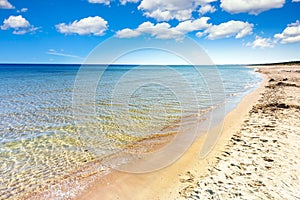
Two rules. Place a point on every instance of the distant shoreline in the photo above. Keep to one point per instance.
(279, 63)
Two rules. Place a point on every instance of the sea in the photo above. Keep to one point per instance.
(62, 125)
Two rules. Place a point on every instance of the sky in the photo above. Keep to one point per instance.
(229, 31)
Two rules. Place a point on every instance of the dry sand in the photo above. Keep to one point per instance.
(257, 156)
(261, 160)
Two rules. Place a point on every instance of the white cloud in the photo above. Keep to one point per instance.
(164, 30)
(253, 7)
(4, 4)
(207, 9)
(22, 10)
(15, 22)
(231, 28)
(86, 26)
(295, 0)
(160, 31)
(128, 33)
(164, 10)
(19, 24)
(193, 25)
(260, 42)
(106, 2)
(123, 2)
(291, 34)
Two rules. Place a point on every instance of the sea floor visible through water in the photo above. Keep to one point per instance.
(46, 152)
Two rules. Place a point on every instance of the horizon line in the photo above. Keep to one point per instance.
(128, 64)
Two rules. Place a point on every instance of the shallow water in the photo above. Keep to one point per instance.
(48, 142)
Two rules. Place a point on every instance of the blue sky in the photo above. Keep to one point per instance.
(230, 31)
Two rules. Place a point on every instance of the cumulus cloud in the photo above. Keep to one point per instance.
(164, 10)
(238, 29)
(106, 2)
(253, 7)
(193, 25)
(19, 24)
(128, 33)
(86, 26)
(160, 31)
(207, 9)
(260, 42)
(164, 30)
(231, 28)
(4, 4)
(291, 34)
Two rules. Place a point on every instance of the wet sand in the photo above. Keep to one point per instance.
(256, 156)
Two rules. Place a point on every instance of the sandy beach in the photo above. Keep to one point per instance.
(261, 160)
(149, 100)
(256, 156)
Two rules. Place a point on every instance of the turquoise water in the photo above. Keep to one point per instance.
(49, 144)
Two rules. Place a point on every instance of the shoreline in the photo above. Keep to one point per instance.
(168, 183)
